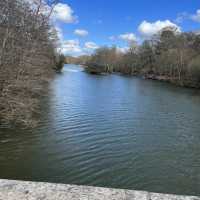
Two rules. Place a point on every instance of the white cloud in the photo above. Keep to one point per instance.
(129, 37)
(70, 47)
(81, 32)
(64, 13)
(73, 47)
(196, 17)
(91, 46)
(59, 33)
(122, 49)
(148, 29)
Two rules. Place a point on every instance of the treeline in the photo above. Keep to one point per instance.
(169, 56)
(28, 58)
(80, 60)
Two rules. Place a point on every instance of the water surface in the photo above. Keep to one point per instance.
(111, 131)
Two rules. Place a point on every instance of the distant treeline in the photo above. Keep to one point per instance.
(81, 60)
(169, 56)
(28, 58)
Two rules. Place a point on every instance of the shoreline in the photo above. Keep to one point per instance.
(162, 78)
(174, 81)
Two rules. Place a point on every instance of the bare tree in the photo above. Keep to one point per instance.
(27, 56)
(170, 55)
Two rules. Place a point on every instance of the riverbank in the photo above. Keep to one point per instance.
(15, 190)
(183, 83)
(188, 83)
(27, 63)
(170, 57)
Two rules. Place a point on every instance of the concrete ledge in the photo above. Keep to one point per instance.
(21, 190)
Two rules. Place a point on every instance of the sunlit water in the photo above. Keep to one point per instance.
(112, 131)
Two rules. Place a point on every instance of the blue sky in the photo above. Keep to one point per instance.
(85, 25)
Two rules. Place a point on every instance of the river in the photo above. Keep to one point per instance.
(112, 131)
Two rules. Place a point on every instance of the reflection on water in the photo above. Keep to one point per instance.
(110, 131)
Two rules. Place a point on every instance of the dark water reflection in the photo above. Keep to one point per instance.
(110, 131)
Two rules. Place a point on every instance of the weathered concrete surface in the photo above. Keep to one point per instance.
(21, 190)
